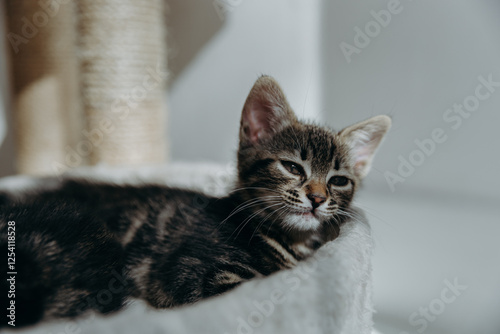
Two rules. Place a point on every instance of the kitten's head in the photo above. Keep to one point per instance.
(300, 175)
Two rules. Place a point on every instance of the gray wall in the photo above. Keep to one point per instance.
(279, 38)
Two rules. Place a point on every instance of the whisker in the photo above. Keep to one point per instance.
(264, 220)
(349, 215)
(278, 217)
(247, 220)
(369, 211)
(248, 204)
(352, 215)
(260, 198)
(259, 188)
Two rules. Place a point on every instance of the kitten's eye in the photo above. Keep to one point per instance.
(293, 168)
(339, 181)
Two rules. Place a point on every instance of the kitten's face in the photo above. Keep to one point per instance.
(299, 175)
(302, 173)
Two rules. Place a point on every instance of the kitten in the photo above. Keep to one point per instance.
(92, 246)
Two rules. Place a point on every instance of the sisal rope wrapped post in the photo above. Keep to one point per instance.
(41, 37)
(123, 62)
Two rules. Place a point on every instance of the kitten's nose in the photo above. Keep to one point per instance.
(316, 199)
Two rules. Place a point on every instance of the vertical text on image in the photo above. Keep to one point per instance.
(11, 272)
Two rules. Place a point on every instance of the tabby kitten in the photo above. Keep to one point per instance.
(85, 246)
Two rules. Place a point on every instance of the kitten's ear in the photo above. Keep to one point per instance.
(266, 111)
(363, 139)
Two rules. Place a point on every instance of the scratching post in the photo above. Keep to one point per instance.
(41, 39)
(102, 104)
(123, 62)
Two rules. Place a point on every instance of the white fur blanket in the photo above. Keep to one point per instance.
(328, 293)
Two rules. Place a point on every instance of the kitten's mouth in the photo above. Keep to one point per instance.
(308, 214)
(303, 220)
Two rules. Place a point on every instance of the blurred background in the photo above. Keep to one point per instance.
(433, 196)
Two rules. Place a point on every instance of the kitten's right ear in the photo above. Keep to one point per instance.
(266, 112)
(363, 139)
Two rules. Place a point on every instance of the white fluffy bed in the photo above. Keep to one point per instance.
(328, 293)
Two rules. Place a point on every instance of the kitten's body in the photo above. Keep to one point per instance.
(88, 246)
(92, 246)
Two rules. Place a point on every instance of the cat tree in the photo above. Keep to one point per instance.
(88, 82)
(45, 83)
(328, 293)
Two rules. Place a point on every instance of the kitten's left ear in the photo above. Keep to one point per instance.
(363, 139)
